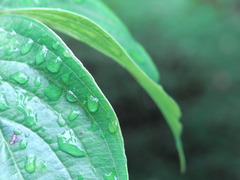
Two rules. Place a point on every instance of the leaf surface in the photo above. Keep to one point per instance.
(93, 23)
(55, 123)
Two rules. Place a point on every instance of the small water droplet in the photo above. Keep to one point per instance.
(17, 131)
(42, 165)
(26, 135)
(53, 92)
(30, 164)
(61, 122)
(66, 77)
(80, 177)
(55, 45)
(54, 65)
(73, 115)
(112, 127)
(92, 104)
(71, 96)
(30, 120)
(37, 81)
(110, 176)
(69, 144)
(41, 55)
(20, 77)
(27, 47)
(66, 54)
(23, 144)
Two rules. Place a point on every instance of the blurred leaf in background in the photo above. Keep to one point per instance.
(196, 45)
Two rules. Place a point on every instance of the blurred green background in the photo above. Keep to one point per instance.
(196, 46)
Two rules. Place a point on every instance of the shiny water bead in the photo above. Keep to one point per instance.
(55, 45)
(54, 65)
(17, 131)
(66, 54)
(3, 103)
(27, 47)
(20, 77)
(68, 143)
(66, 77)
(71, 96)
(73, 115)
(92, 104)
(41, 55)
(53, 92)
(61, 122)
(30, 120)
(37, 81)
(30, 164)
(110, 176)
(23, 144)
(112, 127)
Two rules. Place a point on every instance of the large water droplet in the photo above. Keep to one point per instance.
(110, 176)
(71, 96)
(23, 144)
(92, 104)
(66, 54)
(61, 122)
(68, 143)
(17, 131)
(73, 115)
(20, 77)
(37, 81)
(3, 104)
(30, 164)
(27, 47)
(113, 127)
(54, 65)
(41, 56)
(53, 92)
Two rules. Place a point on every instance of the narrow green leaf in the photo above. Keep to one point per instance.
(93, 23)
(54, 120)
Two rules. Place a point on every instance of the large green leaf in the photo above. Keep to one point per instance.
(55, 123)
(93, 23)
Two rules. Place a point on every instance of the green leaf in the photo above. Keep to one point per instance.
(93, 23)
(54, 120)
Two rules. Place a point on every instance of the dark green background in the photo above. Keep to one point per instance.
(196, 46)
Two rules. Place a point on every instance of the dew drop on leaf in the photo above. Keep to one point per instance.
(110, 176)
(23, 144)
(3, 103)
(30, 120)
(112, 127)
(66, 54)
(73, 115)
(55, 45)
(30, 164)
(17, 131)
(41, 55)
(71, 97)
(37, 81)
(92, 104)
(27, 47)
(53, 92)
(54, 65)
(20, 77)
(69, 144)
(61, 122)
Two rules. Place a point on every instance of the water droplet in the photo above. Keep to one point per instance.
(69, 144)
(20, 77)
(54, 65)
(26, 135)
(55, 45)
(42, 165)
(30, 164)
(66, 54)
(80, 177)
(61, 122)
(23, 144)
(30, 120)
(113, 127)
(92, 104)
(66, 77)
(37, 81)
(17, 131)
(71, 97)
(3, 103)
(110, 176)
(73, 115)
(41, 55)
(27, 47)
(53, 92)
